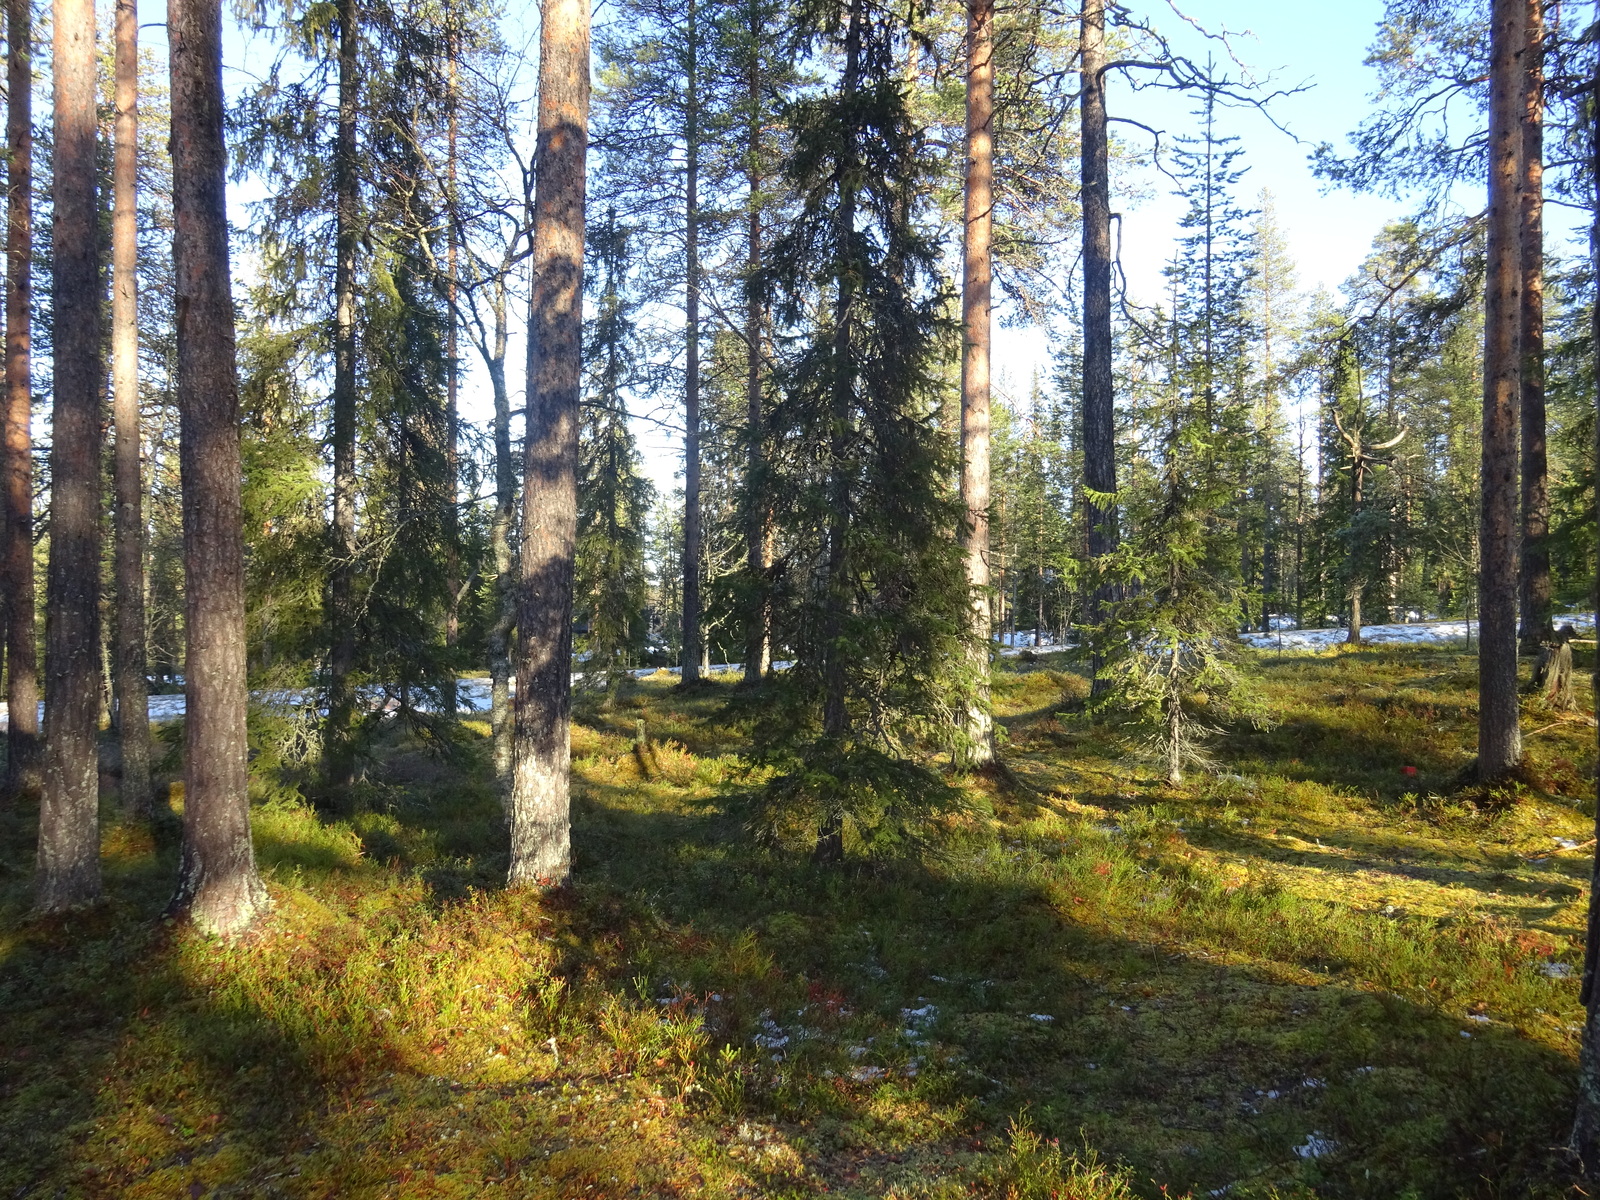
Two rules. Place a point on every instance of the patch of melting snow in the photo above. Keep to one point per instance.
(1316, 1146)
(1313, 1083)
(1556, 970)
(1480, 1018)
(1567, 843)
(1042, 1018)
(867, 1074)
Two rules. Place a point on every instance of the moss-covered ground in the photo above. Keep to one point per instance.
(1314, 971)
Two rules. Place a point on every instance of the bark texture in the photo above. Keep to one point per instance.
(1499, 738)
(16, 438)
(505, 590)
(218, 888)
(541, 832)
(452, 420)
(1585, 1140)
(69, 820)
(692, 549)
(975, 321)
(1099, 412)
(129, 683)
(758, 516)
(338, 751)
(1535, 570)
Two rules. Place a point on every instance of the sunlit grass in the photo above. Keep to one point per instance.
(1310, 973)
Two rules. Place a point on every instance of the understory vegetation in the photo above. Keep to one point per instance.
(1308, 972)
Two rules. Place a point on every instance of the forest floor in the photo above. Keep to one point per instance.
(1311, 972)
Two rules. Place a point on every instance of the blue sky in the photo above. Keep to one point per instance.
(1316, 44)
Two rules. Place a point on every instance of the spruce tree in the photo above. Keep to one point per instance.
(613, 500)
(881, 631)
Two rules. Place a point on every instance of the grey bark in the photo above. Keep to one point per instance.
(1499, 738)
(1534, 580)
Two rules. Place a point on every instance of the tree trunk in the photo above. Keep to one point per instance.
(541, 833)
(338, 748)
(692, 637)
(132, 709)
(975, 295)
(1499, 739)
(1099, 414)
(452, 411)
(1535, 574)
(758, 520)
(218, 888)
(16, 411)
(505, 590)
(1585, 1140)
(69, 820)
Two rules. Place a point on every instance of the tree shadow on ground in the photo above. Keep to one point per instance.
(886, 1024)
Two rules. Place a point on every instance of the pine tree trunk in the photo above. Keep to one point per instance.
(758, 519)
(692, 638)
(541, 834)
(69, 821)
(133, 718)
(338, 750)
(1499, 739)
(1099, 414)
(1535, 573)
(218, 888)
(505, 590)
(975, 297)
(16, 410)
(1585, 1140)
(452, 417)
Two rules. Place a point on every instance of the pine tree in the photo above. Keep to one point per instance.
(218, 888)
(540, 798)
(16, 441)
(132, 713)
(69, 825)
(1499, 738)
